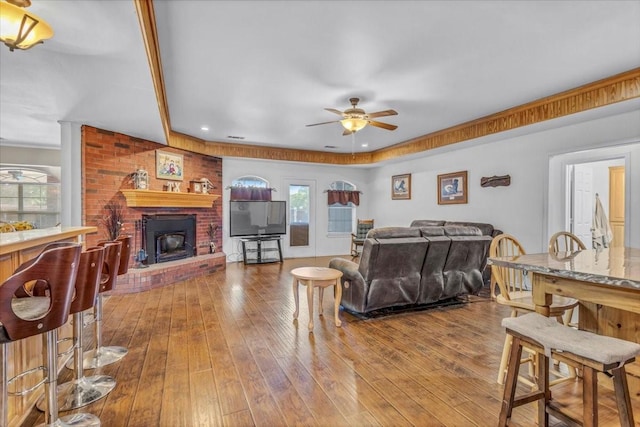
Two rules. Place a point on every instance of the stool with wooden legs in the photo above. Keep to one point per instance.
(591, 352)
(105, 355)
(83, 390)
(516, 294)
(55, 270)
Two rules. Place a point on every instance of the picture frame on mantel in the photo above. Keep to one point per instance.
(169, 165)
(452, 188)
(401, 187)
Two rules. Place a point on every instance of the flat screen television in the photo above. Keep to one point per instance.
(257, 218)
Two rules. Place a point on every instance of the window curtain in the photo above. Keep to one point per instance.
(247, 193)
(343, 197)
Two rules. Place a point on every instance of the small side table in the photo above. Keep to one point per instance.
(319, 277)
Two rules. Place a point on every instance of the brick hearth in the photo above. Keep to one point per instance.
(166, 273)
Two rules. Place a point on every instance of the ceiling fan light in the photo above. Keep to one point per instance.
(20, 29)
(353, 124)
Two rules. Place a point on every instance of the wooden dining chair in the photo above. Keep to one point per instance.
(515, 292)
(358, 238)
(563, 241)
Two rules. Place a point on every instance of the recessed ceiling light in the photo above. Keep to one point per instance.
(235, 137)
(205, 128)
(365, 144)
(330, 146)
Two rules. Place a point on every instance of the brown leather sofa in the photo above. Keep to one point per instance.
(404, 266)
(486, 229)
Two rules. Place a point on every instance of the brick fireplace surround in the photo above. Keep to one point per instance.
(108, 160)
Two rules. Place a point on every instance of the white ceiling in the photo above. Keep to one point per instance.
(263, 70)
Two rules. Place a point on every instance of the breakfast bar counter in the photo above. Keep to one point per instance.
(606, 282)
(16, 248)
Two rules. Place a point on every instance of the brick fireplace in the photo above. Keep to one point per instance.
(108, 161)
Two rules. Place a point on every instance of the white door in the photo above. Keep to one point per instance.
(300, 239)
(582, 203)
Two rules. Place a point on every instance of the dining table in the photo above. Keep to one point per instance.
(605, 281)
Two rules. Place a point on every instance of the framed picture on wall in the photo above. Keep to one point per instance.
(452, 188)
(169, 165)
(401, 187)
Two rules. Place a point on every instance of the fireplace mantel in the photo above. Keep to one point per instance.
(169, 199)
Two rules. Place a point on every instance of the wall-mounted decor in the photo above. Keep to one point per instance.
(401, 187)
(452, 188)
(169, 165)
(495, 181)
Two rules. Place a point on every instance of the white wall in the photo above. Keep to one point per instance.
(531, 208)
(522, 208)
(276, 173)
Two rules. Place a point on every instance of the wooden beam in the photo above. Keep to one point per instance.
(147, 20)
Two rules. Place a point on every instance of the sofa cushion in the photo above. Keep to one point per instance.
(461, 230)
(432, 231)
(426, 223)
(393, 232)
(486, 229)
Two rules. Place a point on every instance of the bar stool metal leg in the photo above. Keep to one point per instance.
(50, 355)
(101, 356)
(82, 390)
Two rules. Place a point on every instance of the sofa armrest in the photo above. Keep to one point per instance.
(348, 268)
(354, 287)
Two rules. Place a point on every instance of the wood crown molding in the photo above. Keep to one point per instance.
(611, 90)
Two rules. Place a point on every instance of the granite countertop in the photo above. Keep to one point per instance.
(612, 266)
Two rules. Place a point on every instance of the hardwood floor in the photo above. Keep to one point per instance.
(223, 350)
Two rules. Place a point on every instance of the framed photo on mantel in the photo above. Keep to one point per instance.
(169, 165)
(452, 188)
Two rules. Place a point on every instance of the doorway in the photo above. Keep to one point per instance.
(300, 240)
(589, 183)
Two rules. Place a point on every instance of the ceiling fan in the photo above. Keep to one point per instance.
(354, 118)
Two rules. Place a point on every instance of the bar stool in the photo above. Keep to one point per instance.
(105, 355)
(592, 352)
(83, 390)
(56, 269)
(125, 254)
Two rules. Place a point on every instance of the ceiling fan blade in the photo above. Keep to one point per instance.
(324, 123)
(386, 126)
(347, 132)
(333, 110)
(383, 113)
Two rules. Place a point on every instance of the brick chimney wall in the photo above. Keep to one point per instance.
(109, 159)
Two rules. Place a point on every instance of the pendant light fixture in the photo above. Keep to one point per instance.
(20, 29)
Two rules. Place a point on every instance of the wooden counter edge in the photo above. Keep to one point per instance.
(63, 233)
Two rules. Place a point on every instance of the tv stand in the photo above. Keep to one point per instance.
(264, 253)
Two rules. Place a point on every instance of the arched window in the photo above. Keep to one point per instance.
(250, 187)
(341, 217)
(29, 195)
(250, 181)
